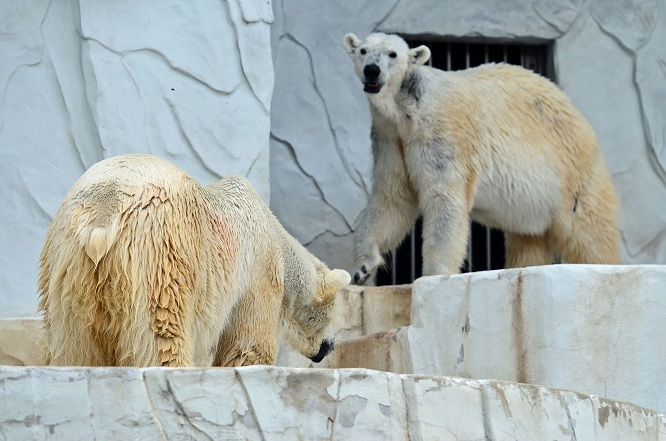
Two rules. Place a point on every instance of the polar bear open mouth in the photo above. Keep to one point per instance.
(372, 87)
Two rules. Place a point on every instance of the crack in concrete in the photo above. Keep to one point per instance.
(190, 144)
(41, 24)
(562, 31)
(237, 37)
(62, 98)
(90, 114)
(180, 410)
(27, 64)
(166, 59)
(381, 21)
(62, 101)
(614, 37)
(653, 153)
(250, 405)
(90, 404)
(292, 151)
(138, 87)
(151, 406)
(337, 404)
(254, 161)
(333, 233)
(354, 174)
(485, 411)
(572, 423)
(411, 415)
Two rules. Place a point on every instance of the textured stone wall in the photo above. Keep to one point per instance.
(267, 403)
(81, 81)
(609, 56)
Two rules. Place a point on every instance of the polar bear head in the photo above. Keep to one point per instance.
(308, 308)
(383, 60)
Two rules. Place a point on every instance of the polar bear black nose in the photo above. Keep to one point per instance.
(371, 72)
(326, 348)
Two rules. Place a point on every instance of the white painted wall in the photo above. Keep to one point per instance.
(609, 57)
(82, 80)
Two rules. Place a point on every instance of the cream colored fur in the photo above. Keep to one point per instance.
(497, 144)
(143, 266)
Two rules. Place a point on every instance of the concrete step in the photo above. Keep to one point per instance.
(19, 342)
(592, 328)
(360, 311)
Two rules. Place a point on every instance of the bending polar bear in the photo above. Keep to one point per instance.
(143, 266)
(496, 143)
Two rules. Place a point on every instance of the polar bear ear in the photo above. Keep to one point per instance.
(419, 55)
(350, 42)
(334, 280)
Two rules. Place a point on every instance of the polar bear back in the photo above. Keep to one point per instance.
(521, 132)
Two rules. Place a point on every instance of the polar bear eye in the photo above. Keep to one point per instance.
(362, 51)
(393, 55)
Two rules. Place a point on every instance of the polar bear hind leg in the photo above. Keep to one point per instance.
(523, 250)
(588, 231)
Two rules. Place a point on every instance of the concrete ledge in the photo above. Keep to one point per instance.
(360, 310)
(19, 342)
(269, 403)
(383, 351)
(363, 310)
(592, 328)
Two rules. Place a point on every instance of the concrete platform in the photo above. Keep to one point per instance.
(595, 330)
(272, 403)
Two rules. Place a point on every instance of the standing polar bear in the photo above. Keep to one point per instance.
(143, 266)
(497, 144)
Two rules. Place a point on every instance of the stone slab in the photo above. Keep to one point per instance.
(592, 328)
(360, 311)
(20, 342)
(269, 403)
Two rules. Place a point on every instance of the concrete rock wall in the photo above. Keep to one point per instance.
(264, 403)
(609, 57)
(594, 329)
(81, 81)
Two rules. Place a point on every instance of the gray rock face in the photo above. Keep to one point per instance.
(267, 403)
(82, 81)
(609, 58)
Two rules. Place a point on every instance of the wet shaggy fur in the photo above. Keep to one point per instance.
(143, 266)
(497, 143)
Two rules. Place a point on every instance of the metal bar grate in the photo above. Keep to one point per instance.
(485, 249)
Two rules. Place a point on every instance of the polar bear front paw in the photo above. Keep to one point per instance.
(362, 274)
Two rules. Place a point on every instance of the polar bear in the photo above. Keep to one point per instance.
(143, 266)
(496, 143)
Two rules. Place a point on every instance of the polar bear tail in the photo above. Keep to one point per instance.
(99, 242)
